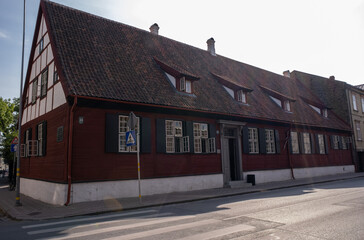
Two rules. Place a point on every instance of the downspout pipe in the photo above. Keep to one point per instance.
(288, 152)
(69, 157)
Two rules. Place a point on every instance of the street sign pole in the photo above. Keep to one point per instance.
(132, 122)
(138, 150)
(17, 190)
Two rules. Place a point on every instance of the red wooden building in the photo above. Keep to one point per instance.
(205, 121)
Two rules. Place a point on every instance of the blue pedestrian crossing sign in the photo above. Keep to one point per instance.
(130, 138)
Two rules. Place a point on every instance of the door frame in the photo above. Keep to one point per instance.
(225, 161)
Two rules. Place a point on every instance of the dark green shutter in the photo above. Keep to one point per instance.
(145, 136)
(326, 145)
(276, 140)
(112, 133)
(262, 141)
(245, 140)
(212, 130)
(317, 143)
(332, 141)
(161, 135)
(189, 133)
(289, 139)
(340, 142)
(312, 142)
(301, 143)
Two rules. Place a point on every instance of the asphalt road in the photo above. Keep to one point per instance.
(332, 210)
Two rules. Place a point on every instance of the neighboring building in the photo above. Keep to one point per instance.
(205, 121)
(345, 100)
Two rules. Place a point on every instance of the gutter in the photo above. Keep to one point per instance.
(69, 157)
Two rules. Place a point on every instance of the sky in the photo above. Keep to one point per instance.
(321, 37)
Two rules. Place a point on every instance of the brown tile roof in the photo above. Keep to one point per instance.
(110, 60)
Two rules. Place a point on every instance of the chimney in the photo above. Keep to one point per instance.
(287, 74)
(154, 29)
(211, 46)
(332, 77)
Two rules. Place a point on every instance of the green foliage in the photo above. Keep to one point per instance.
(9, 112)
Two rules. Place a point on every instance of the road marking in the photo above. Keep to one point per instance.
(122, 227)
(230, 218)
(72, 227)
(163, 230)
(220, 233)
(89, 219)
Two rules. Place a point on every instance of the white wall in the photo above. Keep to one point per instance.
(285, 174)
(55, 193)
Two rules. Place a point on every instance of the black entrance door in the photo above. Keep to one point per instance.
(233, 160)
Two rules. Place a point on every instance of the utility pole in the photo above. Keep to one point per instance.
(17, 190)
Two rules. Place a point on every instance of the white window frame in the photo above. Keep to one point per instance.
(40, 139)
(188, 86)
(211, 148)
(343, 143)
(41, 45)
(358, 130)
(174, 131)
(123, 128)
(200, 135)
(287, 106)
(321, 143)
(182, 84)
(355, 107)
(32, 149)
(325, 112)
(44, 83)
(294, 142)
(253, 140)
(34, 90)
(306, 143)
(23, 150)
(270, 141)
(241, 96)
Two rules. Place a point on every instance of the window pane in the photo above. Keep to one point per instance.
(307, 143)
(294, 142)
(321, 144)
(178, 128)
(204, 131)
(170, 144)
(188, 87)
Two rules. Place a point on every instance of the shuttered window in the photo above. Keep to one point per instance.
(270, 141)
(123, 128)
(294, 143)
(253, 140)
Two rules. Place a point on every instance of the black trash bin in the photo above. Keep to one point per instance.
(250, 178)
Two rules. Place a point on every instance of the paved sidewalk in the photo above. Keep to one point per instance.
(32, 209)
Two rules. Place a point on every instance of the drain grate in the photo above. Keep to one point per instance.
(34, 213)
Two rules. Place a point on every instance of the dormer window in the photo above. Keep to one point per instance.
(185, 85)
(280, 99)
(287, 106)
(241, 96)
(180, 78)
(321, 111)
(324, 112)
(235, 89)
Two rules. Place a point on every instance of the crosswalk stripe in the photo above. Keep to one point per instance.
(72, 227)
(89, 219)
(122, 227)
(163, 230)
(220, 233)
